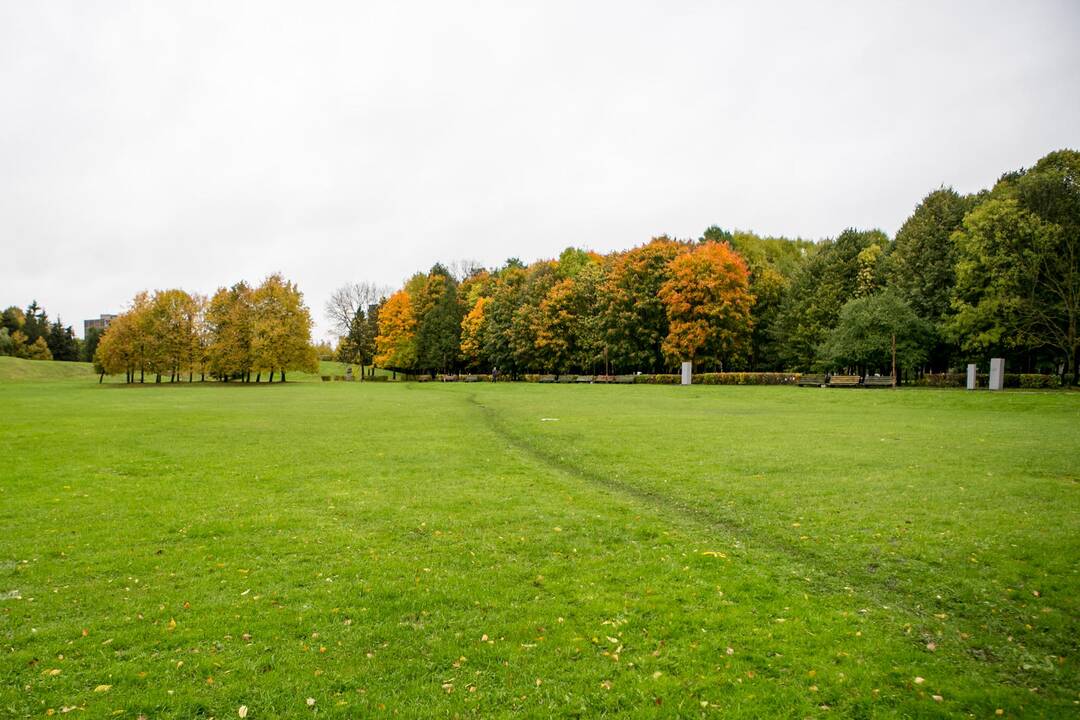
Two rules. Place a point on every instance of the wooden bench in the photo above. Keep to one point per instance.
(604, 379)
(546, 379)
(567, 378)
(584, 379)
(470, 378)
(811, 380)
(878, 381)
(624, 379)
(845, 381)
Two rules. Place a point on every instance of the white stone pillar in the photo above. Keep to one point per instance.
(997, 373)
(972, 377)
(687, 372)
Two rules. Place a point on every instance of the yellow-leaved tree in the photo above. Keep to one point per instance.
(472, 332)
(395, 345)
(281, 337)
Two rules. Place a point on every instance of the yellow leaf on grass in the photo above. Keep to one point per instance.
(103, 688)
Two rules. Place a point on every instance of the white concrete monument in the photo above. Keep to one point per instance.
(997, 373)
(687, 372)
(972, 381)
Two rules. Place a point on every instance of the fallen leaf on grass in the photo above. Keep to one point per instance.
(242, 711)
(103, 688)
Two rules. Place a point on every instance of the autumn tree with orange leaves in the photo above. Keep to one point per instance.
(395, 345)
(707, 299)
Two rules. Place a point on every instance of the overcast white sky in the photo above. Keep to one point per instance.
(153, 144)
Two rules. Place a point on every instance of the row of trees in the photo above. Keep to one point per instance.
(995, 273)
(238, 333)
(29, 334)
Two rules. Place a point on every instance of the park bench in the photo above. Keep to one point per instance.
(624, 379)
(567, 378)
(584, 379)
(546, 379)
(325, 378)
(811, 380)
(471, 378)
(604, 378)
(845, 380)
(878, 381)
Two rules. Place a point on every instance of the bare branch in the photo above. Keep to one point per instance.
(348, 300)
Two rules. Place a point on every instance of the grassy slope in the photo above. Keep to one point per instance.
(740, 551)
(19, 370)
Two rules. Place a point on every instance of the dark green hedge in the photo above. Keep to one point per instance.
(1012, 380)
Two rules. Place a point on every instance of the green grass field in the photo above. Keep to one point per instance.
(400, 549)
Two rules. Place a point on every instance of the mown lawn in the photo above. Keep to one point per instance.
(494, 550)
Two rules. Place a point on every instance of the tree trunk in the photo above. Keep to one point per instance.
(157, 378)
(258, 377)
(283, 375)
(271, 380)
(142, 374)
(101, 377)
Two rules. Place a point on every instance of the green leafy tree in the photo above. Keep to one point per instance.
(90, 343)
(811, 306)
(569, 334)
(62, 342)
(529, 353)
(505, 293)
(922, 265)
(35, 324)
(1018, 267)
(772, 263)
(862, 339)
(1017, 283)
(635, 318)
(438, 316)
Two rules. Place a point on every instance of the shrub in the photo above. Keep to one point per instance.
(945, 380)
(746, 378)
(1039, 381)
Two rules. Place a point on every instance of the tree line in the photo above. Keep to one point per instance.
(29, 334)
(967, 277)
(239, 333)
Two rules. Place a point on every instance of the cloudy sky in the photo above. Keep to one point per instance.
(151, 145)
